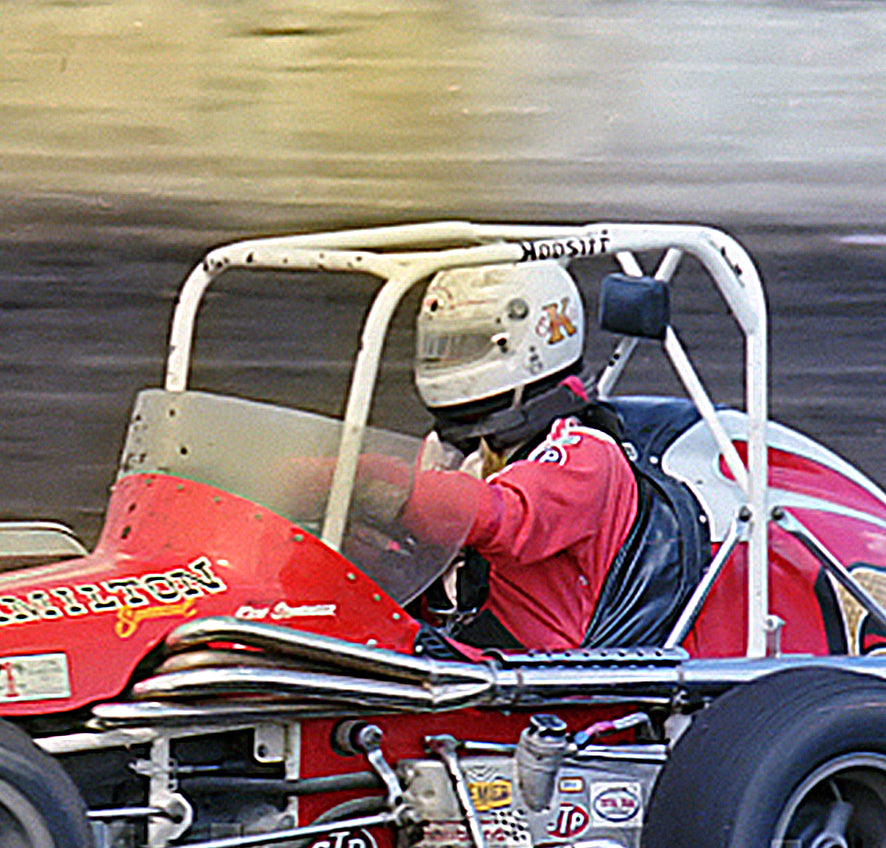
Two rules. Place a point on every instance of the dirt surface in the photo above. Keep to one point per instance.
(85, 322)
(135, 134)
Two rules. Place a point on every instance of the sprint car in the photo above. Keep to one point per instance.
(230, 666)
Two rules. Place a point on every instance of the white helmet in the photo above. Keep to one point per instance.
(487, 330)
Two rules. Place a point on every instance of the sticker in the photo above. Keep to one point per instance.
(129, 618)
(555, 324)
(565, 247)
(548, 452)
(37, 677)
(490, 794)
(361, 838)
(174, 589)
(572, 784)
(456, 834)
(281, 611)
(616, 804)
(572, 819)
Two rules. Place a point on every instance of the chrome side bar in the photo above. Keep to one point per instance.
(306, 686)
(512, 688)
(320, 650)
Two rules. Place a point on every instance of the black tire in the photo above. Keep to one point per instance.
(793, 760)
(39, 805)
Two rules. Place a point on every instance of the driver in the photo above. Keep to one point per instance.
(549, 494)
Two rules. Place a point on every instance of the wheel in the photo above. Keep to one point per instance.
(39, 805)
(794, 760)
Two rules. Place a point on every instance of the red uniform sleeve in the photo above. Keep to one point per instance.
(444, 506)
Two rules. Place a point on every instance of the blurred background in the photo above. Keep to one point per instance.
(136, 134)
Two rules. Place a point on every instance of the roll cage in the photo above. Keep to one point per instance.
(403, 256)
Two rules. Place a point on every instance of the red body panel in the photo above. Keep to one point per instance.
(800, 475)
(172, 550)
(849, 519)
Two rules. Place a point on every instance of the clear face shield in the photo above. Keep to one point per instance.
(457, 329)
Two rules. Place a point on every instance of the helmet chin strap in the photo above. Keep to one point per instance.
(509, 427)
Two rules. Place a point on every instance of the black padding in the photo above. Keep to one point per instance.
(669, 546)
(649, 581)
(635, 306)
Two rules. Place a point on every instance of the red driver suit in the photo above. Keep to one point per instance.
(549, 526)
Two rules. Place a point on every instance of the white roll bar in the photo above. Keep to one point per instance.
(403, 256)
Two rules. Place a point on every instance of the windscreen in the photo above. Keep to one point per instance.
(284, 460)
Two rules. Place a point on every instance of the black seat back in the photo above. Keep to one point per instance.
(669, 547)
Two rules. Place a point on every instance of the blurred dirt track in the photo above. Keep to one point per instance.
(134, 135)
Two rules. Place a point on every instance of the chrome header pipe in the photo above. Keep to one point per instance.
(321, 650)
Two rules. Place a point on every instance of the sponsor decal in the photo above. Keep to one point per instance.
(555, 323)
(571, 247)
(171, 592)
(490, 794)
(572, 819)
(281, 611)
(361, 838)
(35, 677)
(865, 635)
(129, 618)
(455, 833)
(550, 453)
(572, 784)
(616, 804)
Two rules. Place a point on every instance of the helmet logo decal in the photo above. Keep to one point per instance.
(555, 323)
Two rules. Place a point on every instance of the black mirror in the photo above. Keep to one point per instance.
(635, 306)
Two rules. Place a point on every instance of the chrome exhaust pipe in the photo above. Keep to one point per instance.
(383, 681)
(302, 687)
(323, 651)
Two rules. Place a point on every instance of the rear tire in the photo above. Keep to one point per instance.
(39, 805)
(794, 760)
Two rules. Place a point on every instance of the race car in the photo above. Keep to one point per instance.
(243, 660)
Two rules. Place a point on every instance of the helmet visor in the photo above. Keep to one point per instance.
(441, 347)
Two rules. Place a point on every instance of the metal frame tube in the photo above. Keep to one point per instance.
(790, 523)
(463, 243)
(694, 606)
